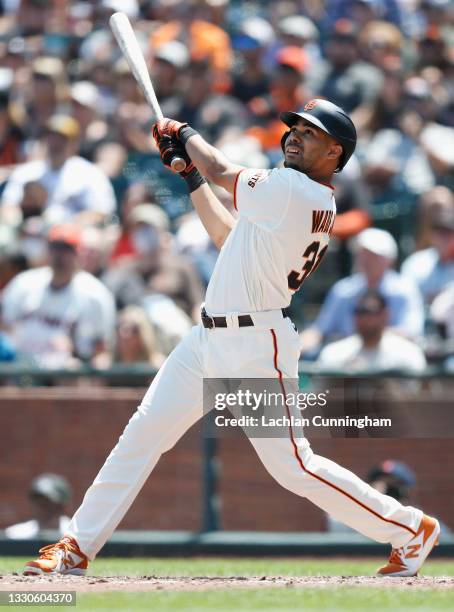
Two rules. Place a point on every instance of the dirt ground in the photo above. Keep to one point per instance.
(87, 584)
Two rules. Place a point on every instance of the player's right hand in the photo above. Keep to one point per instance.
(167, 127)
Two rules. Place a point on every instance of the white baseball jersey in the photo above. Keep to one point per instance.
(283, 230)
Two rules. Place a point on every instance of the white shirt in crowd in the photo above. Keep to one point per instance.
(47, 324)
(442, 310)
(76, 187)
(393, 352)
(428, 272)
(31, 529)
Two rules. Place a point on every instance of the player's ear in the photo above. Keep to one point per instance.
(285, 135)
(334, 151)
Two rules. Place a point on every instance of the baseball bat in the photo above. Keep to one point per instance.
(127, 41)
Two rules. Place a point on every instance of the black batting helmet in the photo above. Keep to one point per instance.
(329, 118)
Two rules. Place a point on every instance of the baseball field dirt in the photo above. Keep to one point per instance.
(241, 584)
(90, 584)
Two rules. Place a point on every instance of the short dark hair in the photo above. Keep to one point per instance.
(363, 305)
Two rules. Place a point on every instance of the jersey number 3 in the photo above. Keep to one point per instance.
(313, 258)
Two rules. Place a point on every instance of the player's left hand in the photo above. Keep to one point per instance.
(167, 127)
(170, 148)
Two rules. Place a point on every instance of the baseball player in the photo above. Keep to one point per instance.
(285, 217)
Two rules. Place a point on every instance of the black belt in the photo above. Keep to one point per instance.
(243, 320)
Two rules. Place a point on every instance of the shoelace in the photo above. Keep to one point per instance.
(396, 556)
(47, 551)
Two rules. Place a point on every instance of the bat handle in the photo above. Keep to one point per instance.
(178, 164)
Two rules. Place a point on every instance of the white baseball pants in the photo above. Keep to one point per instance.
(173, 403)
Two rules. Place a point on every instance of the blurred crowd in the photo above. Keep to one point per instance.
(102, 260)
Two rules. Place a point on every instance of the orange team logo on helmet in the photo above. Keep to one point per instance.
(310, 105)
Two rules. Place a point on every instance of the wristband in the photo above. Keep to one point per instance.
(185, 134)
(193, 180)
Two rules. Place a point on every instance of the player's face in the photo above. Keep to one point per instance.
(309, 149)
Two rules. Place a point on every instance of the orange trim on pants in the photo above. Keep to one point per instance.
(300, 461)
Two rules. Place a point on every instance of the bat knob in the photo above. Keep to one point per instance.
(178, 164)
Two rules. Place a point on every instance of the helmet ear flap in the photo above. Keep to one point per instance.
(342, 162)
(283, 139)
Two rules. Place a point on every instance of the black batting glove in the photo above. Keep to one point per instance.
(169, 148)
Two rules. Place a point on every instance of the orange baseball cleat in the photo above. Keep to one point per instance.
(408, 560)
(64, 557)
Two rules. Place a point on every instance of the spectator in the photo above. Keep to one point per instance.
(31, 241)
(10, 134)
(169, 63)
(300, 31)
(432, 48)
(193, 241)
(126, 89)
(373, 347)
(191, 237)
(96, 55)
(157, 270)
(387, 61)
(84, 103)
(42, 96)
(75, 188)
(208, 112)
(396, 165)
(136, 339)
(206, 41)
(345, 79)
(437, 141)
(132, 121)
(432, 269)
(7, 351)
(362, 11)
(33, 202)
(352, 215)
(380, 43)
(431, 203)
(442, 312)
(286, 90)
(169, 321)
(375, 254)
(86, 109)
(33, 15)
(12, 262)
(135, 194)
(384, 111)
(251, 79)
(59, 315)
(95, 247)
(49, 495)
(393, 478)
